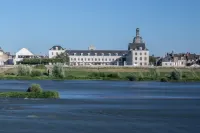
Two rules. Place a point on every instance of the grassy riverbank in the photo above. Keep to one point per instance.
(108, 73)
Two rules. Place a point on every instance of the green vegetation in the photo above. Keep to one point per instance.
(36, 61)
(58, 72)
(34, 91)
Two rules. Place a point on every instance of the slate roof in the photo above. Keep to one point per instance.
(59, 47)
(136, 46)
(98, 52)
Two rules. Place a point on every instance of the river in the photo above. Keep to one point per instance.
(103, 107)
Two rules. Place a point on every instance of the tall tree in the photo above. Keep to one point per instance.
(64, 57)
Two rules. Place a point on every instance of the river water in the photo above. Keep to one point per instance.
(103, 107)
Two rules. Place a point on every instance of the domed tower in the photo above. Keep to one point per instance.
(138, 42)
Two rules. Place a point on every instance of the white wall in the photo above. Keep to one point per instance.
(89, 60)
(138, 58)
(22, 52)
(54, 53)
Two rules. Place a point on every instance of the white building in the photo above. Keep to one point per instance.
(23, 53)
(55, 50)
(136, 55)
(3, 57)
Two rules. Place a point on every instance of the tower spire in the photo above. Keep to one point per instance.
(137, 32)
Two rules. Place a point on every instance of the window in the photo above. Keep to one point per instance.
(102, 59)
(88, 59)
(140, 64)
(81, 59)
(109, 59)
(74, 53)
(102, 54)
(140, 58)
(95, 59)
(95, 54)
(52, 53)
(78, 59)
(145, 53)
(145, 64)
(135, 58)
(88, 54)
(113, 59)
(135, 53)
(105, 59)
(81, 54)
(116, 54)
(71, 59)
(56, 53)
(182, 63)
(166, 64)
(85, 59)
(92, 59)
(140, 53)
(99, 59)
(75, 59)
(145, 58)
(109, 54)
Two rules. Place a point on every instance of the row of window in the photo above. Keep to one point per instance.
(94, 59)
(145, 58)
(140, 53)
(102, 54)
(141, 63)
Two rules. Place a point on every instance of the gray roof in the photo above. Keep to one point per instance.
(98, 52)
(136, 46)
(57, 46)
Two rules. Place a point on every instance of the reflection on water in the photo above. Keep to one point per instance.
(103, 107)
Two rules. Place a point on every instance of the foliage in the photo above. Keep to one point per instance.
(34, 88)
(45, 61)
(58, 71)
(63, 56)
(152, 60)
(131, 78)
(163, 79)
(40, 66)
(175, 75)
(47, 94)
(36, 73)
(23, 70)
(113, 75)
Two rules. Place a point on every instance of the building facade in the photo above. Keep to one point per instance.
(136, 55)
(3, 57)
(55, 50)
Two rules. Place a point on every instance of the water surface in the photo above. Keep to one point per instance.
(103, 107)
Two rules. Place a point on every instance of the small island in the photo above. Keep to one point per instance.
(34, 91)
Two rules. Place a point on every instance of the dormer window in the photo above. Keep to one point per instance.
(74, 53)
(56, 48)
(109, 54)
(81, 54)
(88, 54)
(95, 54)
(102, 54)
(116, 54)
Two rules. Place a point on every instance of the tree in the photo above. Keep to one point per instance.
(64, 57)
(152, 60)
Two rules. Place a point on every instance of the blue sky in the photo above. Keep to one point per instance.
(165, 25)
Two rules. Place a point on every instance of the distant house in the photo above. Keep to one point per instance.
(56, 50)
(3, 57)
(179, 60)
(23, 53)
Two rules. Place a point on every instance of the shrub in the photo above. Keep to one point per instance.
(23, 70)
(175, 75)
(131, 78)
(40, 66)
(58, 71)
(113, 75)
(34, 88)
(47, 94)
(36, 73)
(163, 79)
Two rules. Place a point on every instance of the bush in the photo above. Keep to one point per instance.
(47, 94)
(163, 79)
(35, 88)
(131, 78)
(36, 73)
(23, 70)
(58, 71)
(40, 66)
(113, 75)
(175, 75)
